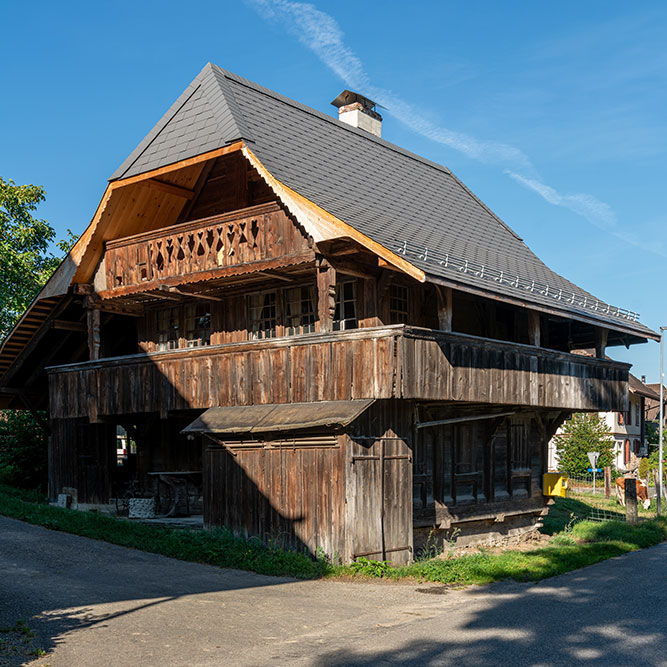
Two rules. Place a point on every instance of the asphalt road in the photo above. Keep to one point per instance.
(92, 603)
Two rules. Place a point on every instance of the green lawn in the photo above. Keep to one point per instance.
(575, 542)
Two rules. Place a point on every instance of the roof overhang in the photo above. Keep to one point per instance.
(275, 417)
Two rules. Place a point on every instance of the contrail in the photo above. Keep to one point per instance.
(320, 33)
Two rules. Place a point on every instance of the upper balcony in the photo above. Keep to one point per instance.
(396, 361)
(244, 241)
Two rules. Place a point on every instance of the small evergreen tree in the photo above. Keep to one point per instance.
(579, 435)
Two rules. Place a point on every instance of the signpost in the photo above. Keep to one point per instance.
(593, 458)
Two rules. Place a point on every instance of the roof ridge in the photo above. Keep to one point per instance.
(330, 119)
(229, 104)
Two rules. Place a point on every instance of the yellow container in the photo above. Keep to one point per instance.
(555, 484)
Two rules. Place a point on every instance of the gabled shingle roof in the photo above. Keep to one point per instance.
(396, 198)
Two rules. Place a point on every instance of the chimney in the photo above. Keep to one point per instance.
(358, 111)
(643, 379)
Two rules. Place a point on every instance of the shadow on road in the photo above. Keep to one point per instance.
(593, 617)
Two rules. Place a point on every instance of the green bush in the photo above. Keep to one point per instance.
(581, 434)
(23, 450)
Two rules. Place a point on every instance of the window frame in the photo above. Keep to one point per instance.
(263, 332)
(346, 323)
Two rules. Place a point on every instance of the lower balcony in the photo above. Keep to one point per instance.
(396, 361)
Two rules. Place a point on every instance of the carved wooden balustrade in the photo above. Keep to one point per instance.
(203, 247)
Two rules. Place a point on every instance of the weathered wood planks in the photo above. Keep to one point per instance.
(384, 362)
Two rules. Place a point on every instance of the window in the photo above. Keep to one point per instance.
(299, 310)
(168, 326)
(262, 315)
(398, 304)
(345, 316)
(638, 420)
(621, 419)
(197, 324)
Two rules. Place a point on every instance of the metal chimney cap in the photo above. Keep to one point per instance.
(349, 97)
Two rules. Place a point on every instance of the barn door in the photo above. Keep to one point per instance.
(379, 500)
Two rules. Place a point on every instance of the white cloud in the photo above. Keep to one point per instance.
(321, 33)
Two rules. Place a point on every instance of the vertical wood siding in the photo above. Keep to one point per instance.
(384, 362)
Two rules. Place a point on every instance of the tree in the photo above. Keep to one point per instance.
(23, 447)
(24, 257)
(26, 265)
(579, 435)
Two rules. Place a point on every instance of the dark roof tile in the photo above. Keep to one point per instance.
(399, 199)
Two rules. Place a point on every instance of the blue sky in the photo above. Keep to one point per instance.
(552, 113)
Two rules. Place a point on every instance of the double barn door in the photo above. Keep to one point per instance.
(379, 500)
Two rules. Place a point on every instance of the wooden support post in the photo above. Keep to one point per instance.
(607, 482)
(631, 500)
(326, 295)
(600, 342)
(444, 308)
(93, 332)
(533, 328)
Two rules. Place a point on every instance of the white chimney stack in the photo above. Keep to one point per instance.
(358, 111)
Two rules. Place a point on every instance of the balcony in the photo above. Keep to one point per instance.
(396, 361)
(252, 239)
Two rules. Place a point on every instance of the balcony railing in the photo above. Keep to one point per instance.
(203, 248)
(396, 361)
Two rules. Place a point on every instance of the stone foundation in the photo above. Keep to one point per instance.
(513, 530)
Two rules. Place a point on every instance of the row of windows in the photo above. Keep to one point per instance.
(190, 325)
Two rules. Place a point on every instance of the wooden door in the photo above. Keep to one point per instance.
(379, 500)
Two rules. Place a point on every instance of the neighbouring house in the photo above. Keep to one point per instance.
(338, 341)
(627, 427)
(653, 403)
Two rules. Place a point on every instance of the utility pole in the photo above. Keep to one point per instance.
(658, 491)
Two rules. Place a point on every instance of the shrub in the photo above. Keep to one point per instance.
(581, 434)
(23, 450)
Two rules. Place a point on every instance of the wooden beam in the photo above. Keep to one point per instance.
(204, 157)
(194, 295)
(246, 269)
(457, 420)
(169, 188)
(326, 295)
(120, 309)
(275, 274)
(323, 226)
(445, 300)
(352, 269)
(34, 341)
(199, 186)
(93, 332)
(165, 292)
(601, 336)
(533, 328)
(65, 325)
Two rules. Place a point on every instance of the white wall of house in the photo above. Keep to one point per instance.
(626, 429)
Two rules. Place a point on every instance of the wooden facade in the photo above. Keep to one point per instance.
(199, 288)
(397, 361)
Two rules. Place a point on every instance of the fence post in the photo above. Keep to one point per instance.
(607, 481)
(631, 500)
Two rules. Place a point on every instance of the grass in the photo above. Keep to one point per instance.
(575, 543)
(220, 547)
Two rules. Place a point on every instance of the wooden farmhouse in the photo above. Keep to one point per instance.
(343, 346)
